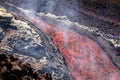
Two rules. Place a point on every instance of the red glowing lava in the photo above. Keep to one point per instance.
(84, 57)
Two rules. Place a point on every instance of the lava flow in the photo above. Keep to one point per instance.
(84, 57)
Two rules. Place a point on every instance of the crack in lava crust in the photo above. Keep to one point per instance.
(84, 57)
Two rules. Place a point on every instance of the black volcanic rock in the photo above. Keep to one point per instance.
(32, 46)
(12, 69)
(30, 43)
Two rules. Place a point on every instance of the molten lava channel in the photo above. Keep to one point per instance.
(83, 56)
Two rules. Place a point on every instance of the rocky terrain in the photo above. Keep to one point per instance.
(93, 18)
(11, 68)
(31, 45)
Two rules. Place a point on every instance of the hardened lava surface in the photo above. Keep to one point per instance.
(31, 45)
